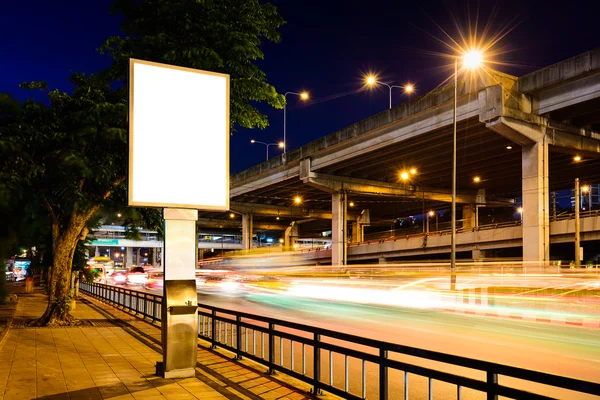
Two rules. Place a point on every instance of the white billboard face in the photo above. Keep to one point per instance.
(178, 137)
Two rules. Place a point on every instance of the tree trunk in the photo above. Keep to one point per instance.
(59, 299)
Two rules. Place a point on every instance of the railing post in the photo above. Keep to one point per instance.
(383, 374)
(238, 332)
(271, 348)
(492, 382)
(213, 324)
(145, 306)
(316, 365)
(154, 302)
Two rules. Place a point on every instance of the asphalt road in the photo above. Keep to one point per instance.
(564, 350)
(561, 350)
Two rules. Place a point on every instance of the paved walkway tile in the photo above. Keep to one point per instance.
(114, 361)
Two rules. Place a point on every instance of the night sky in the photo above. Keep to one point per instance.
(326, 48)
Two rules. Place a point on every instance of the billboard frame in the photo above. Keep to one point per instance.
(130, 202)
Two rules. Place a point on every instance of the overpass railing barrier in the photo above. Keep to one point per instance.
(312, 354)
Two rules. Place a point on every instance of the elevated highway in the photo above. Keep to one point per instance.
(519, 135)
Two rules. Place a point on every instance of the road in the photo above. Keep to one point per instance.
(542, 346)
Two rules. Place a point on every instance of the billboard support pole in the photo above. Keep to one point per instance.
(179, 327)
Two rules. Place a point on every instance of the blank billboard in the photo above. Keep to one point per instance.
(178, 137)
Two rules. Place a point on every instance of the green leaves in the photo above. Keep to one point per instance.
(217, 35)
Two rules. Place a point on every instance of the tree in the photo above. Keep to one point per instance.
(67, 155)
(214, 35)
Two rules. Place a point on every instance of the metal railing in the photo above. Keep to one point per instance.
(304, 352)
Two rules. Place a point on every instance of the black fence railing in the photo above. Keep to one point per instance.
(306, 352)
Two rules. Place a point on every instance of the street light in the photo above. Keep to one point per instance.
(371, 80)
(280, 145)
(303, 96)
(471, 59)
(430, 214)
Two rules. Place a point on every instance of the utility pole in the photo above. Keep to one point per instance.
(577, 226)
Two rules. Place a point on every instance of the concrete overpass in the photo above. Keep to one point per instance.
(518, 134)
(476, 240)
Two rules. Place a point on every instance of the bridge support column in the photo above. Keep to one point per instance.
(129, 257)
(469, 216)
(247, 231)
(382, 260)
(97, 252)
(154, 256)
(478, 254)
(357, 233)
(291, 233)
(536, 216)
(338, 228)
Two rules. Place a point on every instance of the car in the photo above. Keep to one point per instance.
(155, 280)
(117, 278)
(137, 276)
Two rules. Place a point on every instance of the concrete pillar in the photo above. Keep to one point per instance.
(97, 252)
(246, 231)
(478, 254)
(382, 260)
(138, 258)
(338, 228)
(357, 232)
(291, 233)
(154, 256)
(128, 257)
(469, 219)
(536, 216)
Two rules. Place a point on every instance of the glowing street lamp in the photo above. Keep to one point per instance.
(280, 145)
(303, 96)
(472, 60)
(371, 80)
(297, 200)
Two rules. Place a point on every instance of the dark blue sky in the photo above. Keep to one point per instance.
(326, 47)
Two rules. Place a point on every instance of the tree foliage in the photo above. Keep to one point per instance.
(214, 35)
(65, 157)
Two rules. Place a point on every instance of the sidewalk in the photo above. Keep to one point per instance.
(113, 357)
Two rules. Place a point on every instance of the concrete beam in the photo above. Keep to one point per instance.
(336, 184)
(526, 129)
(236, 224)
(564, 71)
(288, 212)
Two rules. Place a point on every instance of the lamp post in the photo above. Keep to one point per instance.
(408, 88)
(303, 96)
(471, 59)
(280, 144)
(577, 225)
(431, 214)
